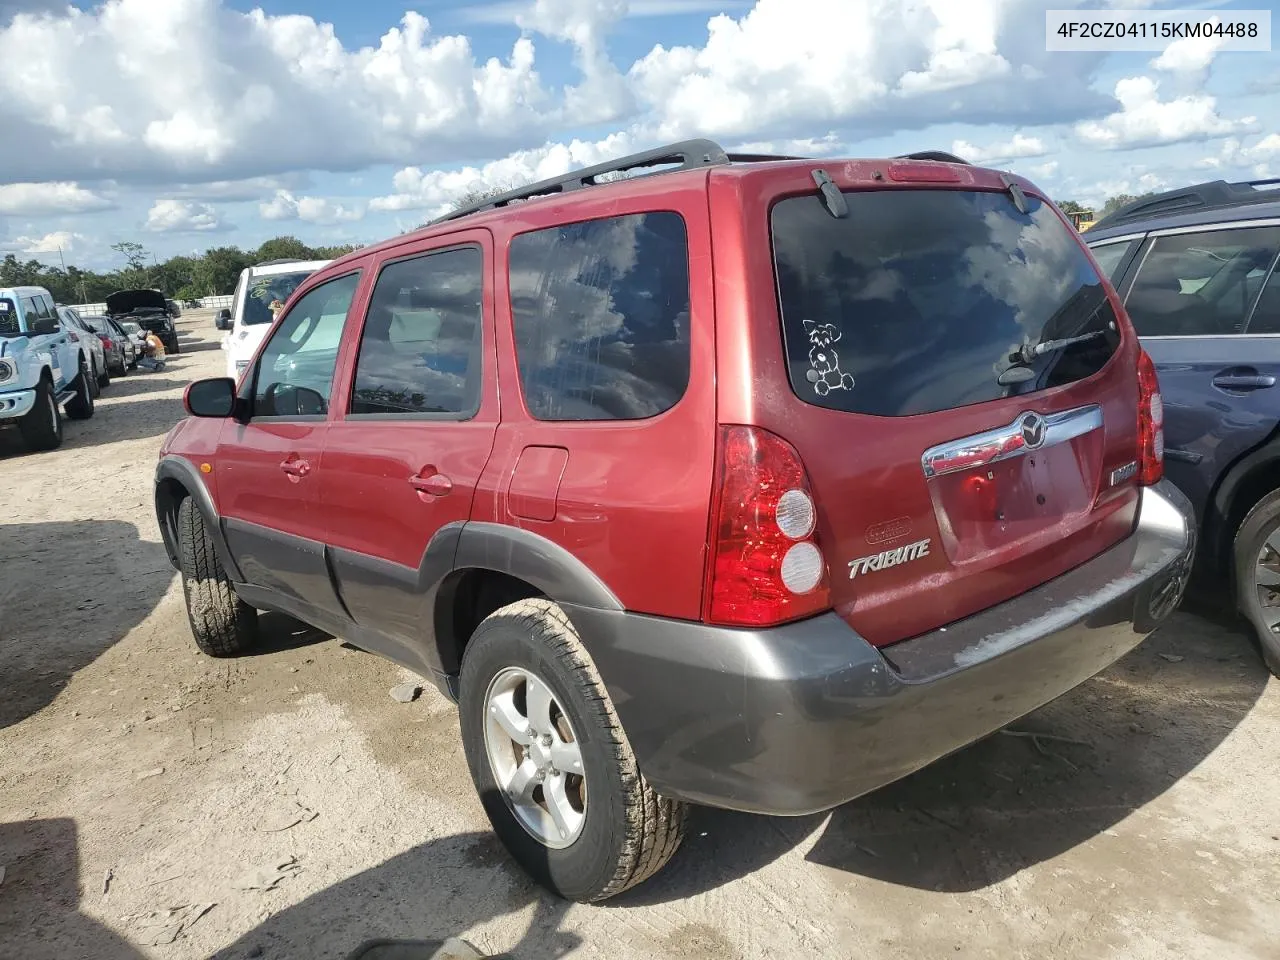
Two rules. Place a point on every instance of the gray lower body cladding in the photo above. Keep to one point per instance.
(804, 717)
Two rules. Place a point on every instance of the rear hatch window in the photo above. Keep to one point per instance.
(922, 300)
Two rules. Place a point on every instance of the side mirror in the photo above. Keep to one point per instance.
(222, 319)
(215, 397)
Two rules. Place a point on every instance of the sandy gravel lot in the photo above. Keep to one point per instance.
(155, 803)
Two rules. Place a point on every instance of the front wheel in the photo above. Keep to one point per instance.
(1257, 569)
(223, 625)
(41, 426)
(551, 762)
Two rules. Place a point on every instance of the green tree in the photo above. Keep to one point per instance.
(1071, 206)
(281, 248)
(333, 253)
(218, 270)
(1123, 200)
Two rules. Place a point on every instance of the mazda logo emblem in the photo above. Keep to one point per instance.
(1031, 426)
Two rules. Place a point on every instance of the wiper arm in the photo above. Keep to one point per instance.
(1029, 352)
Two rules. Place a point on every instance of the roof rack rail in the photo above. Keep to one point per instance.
(272, 263)
(939, 155)
(1213, 195)
(687, 154)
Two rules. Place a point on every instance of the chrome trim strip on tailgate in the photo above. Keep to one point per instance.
(1029, 431)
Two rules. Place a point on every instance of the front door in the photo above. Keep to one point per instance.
(268, 467)
(1194, 300)
(421, 415)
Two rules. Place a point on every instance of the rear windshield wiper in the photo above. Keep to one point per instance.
(1028, 352)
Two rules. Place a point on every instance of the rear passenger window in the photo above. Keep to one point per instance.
(1201, 284)
(1110, 255)
(1266, 315)
(601, 317)
(420, 349)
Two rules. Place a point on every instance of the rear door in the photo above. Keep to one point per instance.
(962, 393)
(1192, 296)
(420, 413)
(268, 468)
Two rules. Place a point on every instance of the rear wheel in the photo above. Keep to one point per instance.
(41, 427)
(1257, 568)
(80, 407)
(223, 625)
(551, 762)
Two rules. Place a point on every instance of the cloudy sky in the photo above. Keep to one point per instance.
(185, 124)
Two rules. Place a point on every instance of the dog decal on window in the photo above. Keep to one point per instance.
(824, 363)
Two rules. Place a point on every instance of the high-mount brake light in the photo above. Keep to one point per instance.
(764, 565)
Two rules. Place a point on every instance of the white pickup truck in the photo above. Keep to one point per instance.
(41, 369)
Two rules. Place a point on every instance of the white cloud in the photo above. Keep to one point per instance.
(436, 190)
(1190, 56)
(1044, 171)
(1146, 120)
(286, 206)
(510, 13)
(1018, 148)
(43, 199)
(171, 215)
(64, 240)
(1256, 158)
(269, 94)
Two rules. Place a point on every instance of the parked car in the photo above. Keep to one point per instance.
(41, 368)
(1197, 269)
(137, 336)
(150, 310)
(90, 347)
(674, 527)
(260, 288)
(120, 350)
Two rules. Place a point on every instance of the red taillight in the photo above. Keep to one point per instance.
(1150, 423)
(106, 342)
(764, 566)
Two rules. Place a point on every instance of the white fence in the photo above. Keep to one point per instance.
(206, 303)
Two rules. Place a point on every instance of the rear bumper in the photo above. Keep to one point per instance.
(16, 403)
(805, 717)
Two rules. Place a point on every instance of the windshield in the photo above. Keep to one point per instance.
(918, 300)
(266, 295)
(9, 319)
(131, 327)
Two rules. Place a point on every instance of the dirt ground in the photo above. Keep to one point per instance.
(156, 803)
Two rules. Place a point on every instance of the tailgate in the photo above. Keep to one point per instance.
(966, 399)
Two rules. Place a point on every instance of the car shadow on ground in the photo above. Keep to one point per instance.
(62, 563)
(139, 383)
(1009, 802)
(439, 889)
(191, 344)
(278, 632)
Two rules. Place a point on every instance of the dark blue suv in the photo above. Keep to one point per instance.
(1196, 268)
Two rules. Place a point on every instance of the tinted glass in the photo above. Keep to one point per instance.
(601, 315)
(266, 295)
(420, 348)
(295, 371)
(918, 300)
(1201, 284)
(1109, 257)
(1266, 315)
(8, 319)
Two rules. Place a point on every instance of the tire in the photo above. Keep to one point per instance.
(172, 346)
(41, 426)
(95, 383)
(80, 407)
(627, 831)
(223, 625)
(1261, 523)
(104, 378)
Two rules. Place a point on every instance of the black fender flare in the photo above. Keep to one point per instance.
(530, 557)
(1216, 526)
(177, 472)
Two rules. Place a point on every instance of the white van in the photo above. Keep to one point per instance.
(261, 291)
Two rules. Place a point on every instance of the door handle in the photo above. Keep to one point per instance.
(297, 469)
(1244, 381)
(437, 484)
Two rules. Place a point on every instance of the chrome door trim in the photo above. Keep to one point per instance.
(1012, 440)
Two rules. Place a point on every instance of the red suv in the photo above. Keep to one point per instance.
(751, 482)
